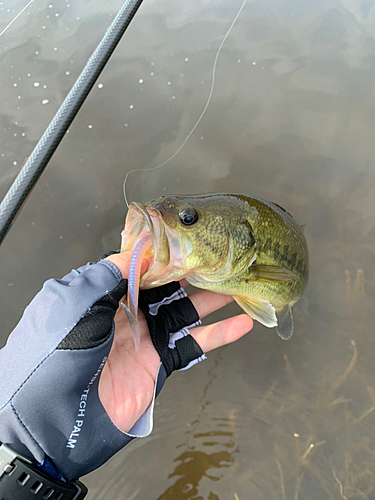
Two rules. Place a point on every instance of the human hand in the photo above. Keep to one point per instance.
(52, 409)
(127, 383)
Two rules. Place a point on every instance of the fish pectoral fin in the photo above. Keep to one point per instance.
(284, 322)
(261, 310)
(262, 272)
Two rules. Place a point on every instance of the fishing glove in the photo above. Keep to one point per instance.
(50, 411)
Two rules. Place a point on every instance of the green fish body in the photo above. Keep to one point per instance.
(233, 244)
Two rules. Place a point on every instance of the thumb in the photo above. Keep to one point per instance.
(122, 261)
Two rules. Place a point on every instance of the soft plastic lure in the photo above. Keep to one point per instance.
(131, 309)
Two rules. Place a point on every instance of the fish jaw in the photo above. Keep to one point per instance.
(138, 224)
(168, 253)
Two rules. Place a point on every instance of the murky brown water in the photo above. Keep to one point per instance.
(292, 120)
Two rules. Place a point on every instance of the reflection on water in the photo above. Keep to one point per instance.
(194, 466)
(196, 463)
(304, 433)
(292, 120)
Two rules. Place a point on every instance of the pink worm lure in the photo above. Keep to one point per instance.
(131, 309)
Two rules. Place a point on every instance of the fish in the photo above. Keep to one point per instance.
(233, 244)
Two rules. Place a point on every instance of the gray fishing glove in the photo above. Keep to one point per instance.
(50, 411)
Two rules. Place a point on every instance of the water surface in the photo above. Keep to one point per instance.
(292, 120)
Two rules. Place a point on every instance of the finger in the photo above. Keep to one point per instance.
(224, 332)
(206, 302)
(122, 261)
(184, 283)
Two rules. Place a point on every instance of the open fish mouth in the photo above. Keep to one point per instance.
(147, 236)
(139, 223)
(166, 253)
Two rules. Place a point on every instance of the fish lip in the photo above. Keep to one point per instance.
(165, 256)
(142, 209)
(148, 219)
(146, 211)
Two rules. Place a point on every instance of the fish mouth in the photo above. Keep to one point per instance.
(139, 223)
(165, 255)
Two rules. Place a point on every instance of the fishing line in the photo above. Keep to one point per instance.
(201, 115)
(17, 16)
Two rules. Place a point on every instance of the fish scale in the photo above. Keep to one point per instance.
(233, 244)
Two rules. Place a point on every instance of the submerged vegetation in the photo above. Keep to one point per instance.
(305, 461)
(299, 435)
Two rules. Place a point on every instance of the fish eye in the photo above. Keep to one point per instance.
(189, 216)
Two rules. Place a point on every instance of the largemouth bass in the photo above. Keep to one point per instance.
(233, 244)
